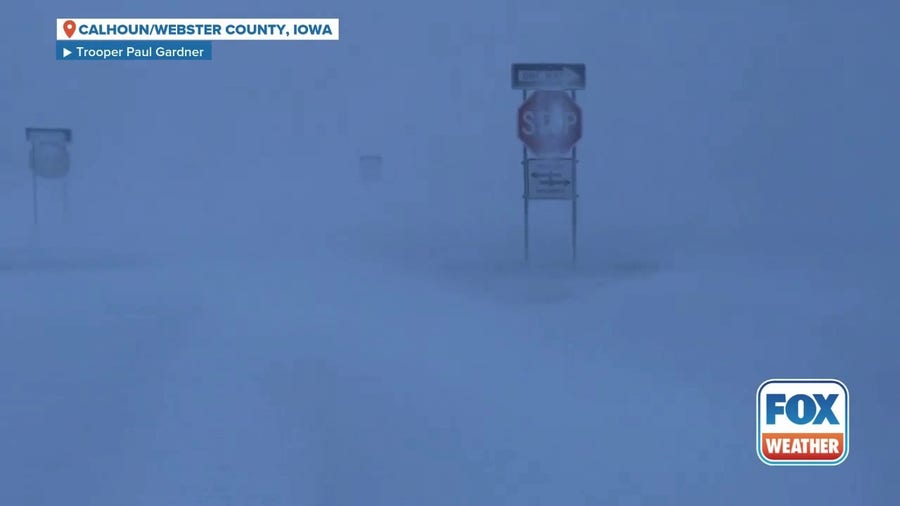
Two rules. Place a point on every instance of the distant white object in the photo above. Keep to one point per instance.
(551, 178)
(370, 168)
(49, 151)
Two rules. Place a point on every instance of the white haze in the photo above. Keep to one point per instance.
(227, 315)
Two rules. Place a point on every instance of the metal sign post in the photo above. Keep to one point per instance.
(550, 123)
(575, 196)
(525, 197)
(34, 198)
(49, 158)
(66, 199)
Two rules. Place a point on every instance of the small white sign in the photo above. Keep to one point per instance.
(548, 76)
(50, 159)
(51, 135)
(551, 178)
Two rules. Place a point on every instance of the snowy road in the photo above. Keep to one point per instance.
(238, 382)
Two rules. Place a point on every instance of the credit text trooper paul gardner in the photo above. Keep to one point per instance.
(146, 51)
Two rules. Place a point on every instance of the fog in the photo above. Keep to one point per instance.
(215, 309)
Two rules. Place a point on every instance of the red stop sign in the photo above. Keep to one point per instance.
(549, 122)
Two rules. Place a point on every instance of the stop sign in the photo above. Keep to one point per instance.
(549, 122)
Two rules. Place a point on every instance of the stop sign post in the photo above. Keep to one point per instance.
(549, 124)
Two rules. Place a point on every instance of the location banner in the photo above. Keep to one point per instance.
(110, 39)
(198, 29)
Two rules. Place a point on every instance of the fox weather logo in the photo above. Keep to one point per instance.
(802, 422)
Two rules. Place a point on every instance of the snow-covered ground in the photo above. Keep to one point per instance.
(385, 362)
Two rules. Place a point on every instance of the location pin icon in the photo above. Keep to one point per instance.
(69, 28)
